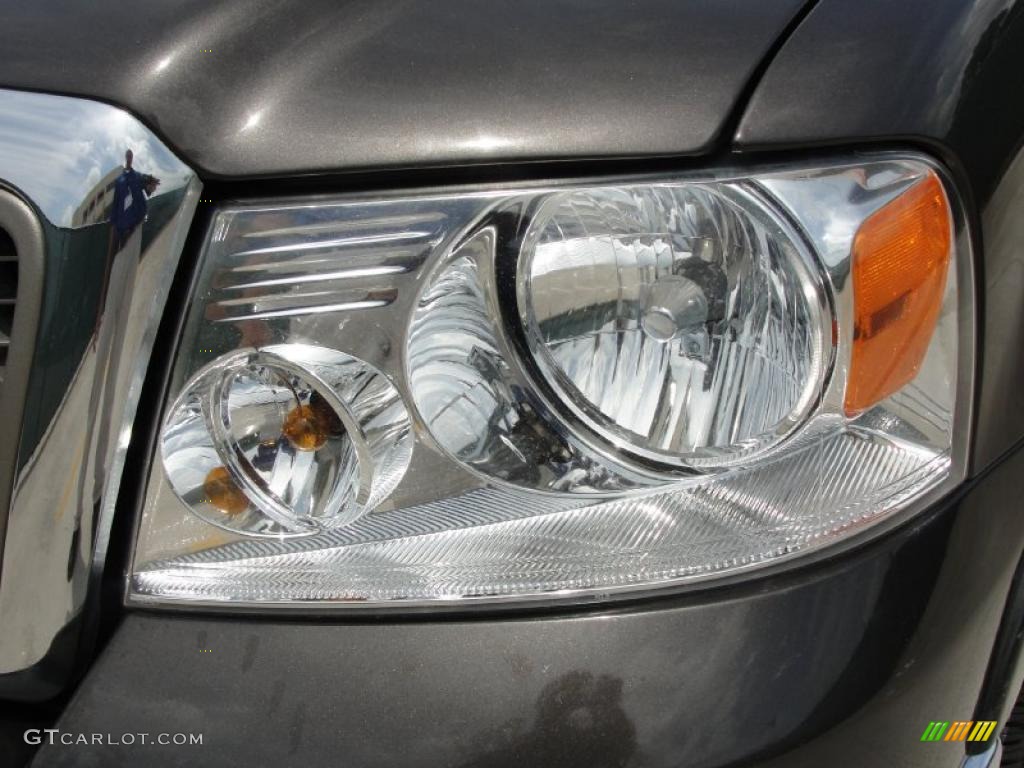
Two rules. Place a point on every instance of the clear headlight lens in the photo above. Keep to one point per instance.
(533, 391)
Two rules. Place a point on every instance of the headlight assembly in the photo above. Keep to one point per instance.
(559, 391)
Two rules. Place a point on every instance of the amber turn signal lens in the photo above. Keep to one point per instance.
(223, 493)
(901, 255)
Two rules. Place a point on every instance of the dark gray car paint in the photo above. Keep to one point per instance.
(261, 87)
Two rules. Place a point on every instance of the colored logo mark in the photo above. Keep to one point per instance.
(959, 731)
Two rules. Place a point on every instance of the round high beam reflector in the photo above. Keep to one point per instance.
(684, 323)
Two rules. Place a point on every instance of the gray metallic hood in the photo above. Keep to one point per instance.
(255, 87)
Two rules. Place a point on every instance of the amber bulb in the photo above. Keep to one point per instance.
(304, 429)
(223, 493)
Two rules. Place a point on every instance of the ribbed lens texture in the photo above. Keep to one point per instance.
(507, 542)
(672, 319)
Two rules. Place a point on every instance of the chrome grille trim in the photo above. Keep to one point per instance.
(61, 157)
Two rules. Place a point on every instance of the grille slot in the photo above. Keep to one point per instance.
(8, 295)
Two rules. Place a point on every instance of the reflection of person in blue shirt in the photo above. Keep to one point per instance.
(131, 189)
(129, 209)
(113, 312)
